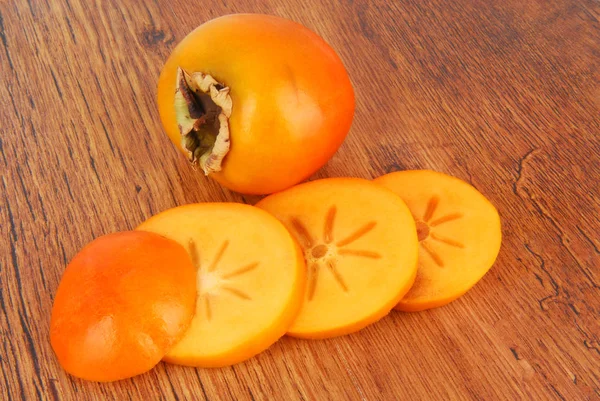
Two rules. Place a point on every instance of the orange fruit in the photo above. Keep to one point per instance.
(459, 235)
(250, 275)
(122, 303)
(360, 244)
(245, 92)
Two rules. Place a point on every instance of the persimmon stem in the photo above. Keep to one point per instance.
(203, 107)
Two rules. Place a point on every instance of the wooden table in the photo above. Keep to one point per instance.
(505, 95)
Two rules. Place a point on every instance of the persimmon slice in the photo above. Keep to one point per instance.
(123, 302)
(459, 235)
(250, 279)
(360, 244)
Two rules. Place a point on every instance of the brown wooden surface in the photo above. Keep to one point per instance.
(504, 94)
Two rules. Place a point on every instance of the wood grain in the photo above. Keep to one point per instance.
(504, 94)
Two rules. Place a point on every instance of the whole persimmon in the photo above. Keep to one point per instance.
(122, 303)
(258, 102)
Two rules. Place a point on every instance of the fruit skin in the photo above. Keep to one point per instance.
(478, 231)
(277, 283)
(124, 300)
(293, 101)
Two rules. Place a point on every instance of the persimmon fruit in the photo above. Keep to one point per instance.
(250, 274)
(258, 102)
(360, 244)
(459, 235)
(123, 301)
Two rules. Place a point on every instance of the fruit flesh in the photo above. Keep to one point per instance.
(293, 102)
(459, 233)
(122, 303)
(360, 245)
(250, 276)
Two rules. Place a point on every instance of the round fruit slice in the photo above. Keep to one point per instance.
(360, 244)
(459, 234)
(122, 303)
(250, 278)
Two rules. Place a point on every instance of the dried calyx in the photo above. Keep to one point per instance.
(203, 107)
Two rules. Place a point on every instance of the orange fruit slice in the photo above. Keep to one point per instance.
(122, 303)
(459, 235)
(250, 276)
(360, 244)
